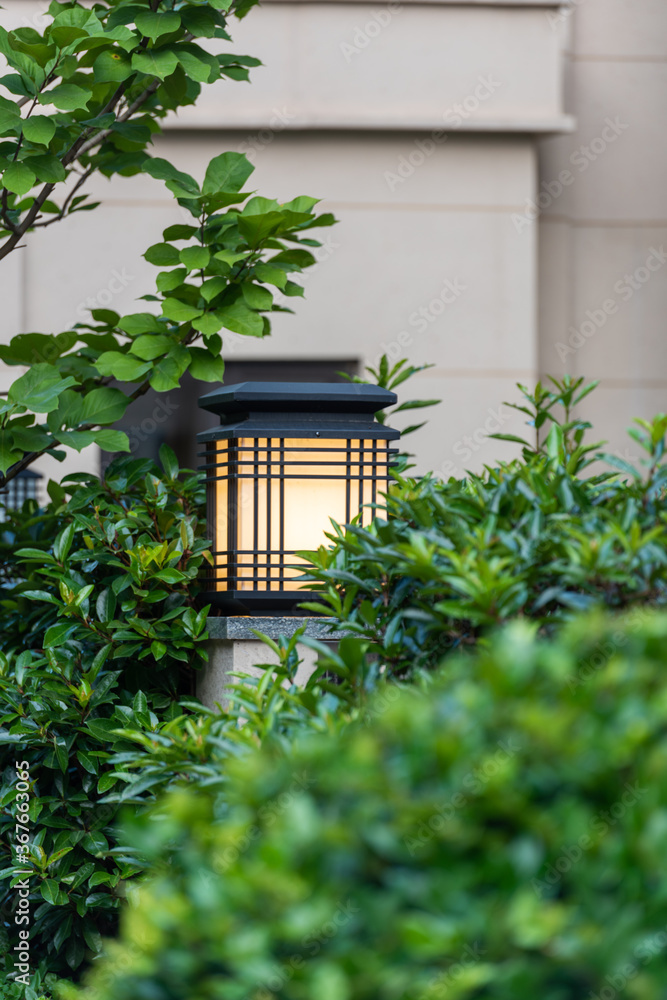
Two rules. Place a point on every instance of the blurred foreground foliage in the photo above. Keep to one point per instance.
(494, 832)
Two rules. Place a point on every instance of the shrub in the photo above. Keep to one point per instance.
(498, 835)
(92, 746)
(538, 537)
(116, 639)
(121, 575)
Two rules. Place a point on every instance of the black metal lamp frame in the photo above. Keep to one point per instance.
(276, 438)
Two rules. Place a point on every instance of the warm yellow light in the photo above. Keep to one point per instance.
(279, 495)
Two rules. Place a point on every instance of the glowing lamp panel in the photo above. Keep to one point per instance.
(276, 496)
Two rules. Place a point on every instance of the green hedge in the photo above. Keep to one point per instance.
(496, 833)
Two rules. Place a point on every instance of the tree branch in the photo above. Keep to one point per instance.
(61, 215)
(69, 158)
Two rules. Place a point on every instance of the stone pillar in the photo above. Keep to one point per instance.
(234, 648)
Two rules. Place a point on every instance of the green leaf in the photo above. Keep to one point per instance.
(39, 388)
(167, 281)
(95, 843)
(50, 891)
(271, 275)
(31, 438)
(255, 296)
(240, 319)
(39, 129)
(48, 169)
(208, 324)
(194, 258)
(167, 372)
(18, 178)
(179, 232)
(67, 97)
(163, 170)
(206, 366)
(179, 311)
(75, 439)
(89, 763)
(213, 287)
(162, 254)
(103, 406)
(105, 783)
(258, 228)
(168, 461)
(150, 346)
(105, 606)
(63, 543)
(199, 22)
(9, 455)
(112, 66)
(58, 634)
(154, 24)
(296, 259)
(110, 440)
(121, 366)
(227, 172)
(156, 62)
(197, 64)
(138, 323)
(10, 119)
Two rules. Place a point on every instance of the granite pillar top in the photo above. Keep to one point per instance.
(242, 626)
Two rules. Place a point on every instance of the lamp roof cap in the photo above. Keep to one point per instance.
(298, 397)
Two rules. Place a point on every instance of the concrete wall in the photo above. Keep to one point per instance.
(428, 128)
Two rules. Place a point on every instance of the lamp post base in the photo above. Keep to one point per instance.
(233, 648)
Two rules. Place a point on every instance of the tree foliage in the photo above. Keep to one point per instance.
(87, 95)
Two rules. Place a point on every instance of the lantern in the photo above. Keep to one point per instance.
(286, 459)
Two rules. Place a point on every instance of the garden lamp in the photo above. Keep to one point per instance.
(287, 458)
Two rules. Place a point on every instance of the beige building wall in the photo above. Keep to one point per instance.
(603, 239)
(427, 128)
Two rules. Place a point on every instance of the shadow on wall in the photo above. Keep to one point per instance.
(175, 418)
